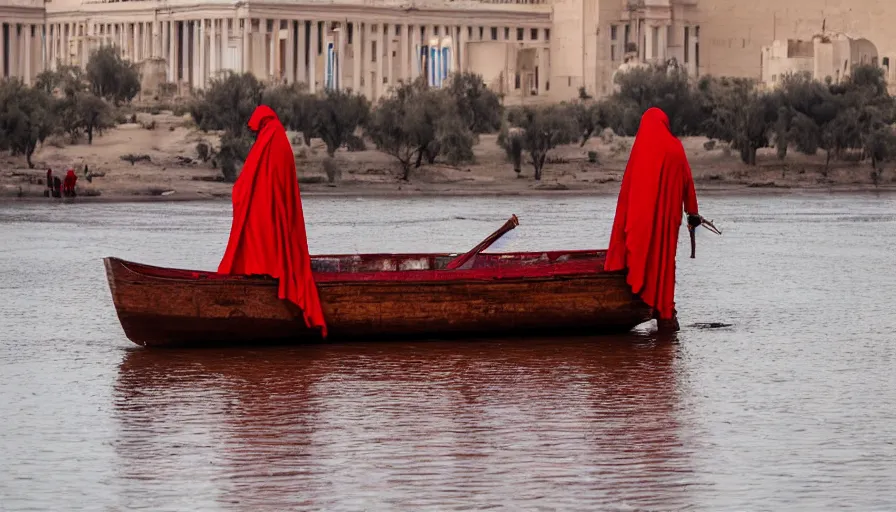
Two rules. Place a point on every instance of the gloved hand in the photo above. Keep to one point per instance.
(694, 220)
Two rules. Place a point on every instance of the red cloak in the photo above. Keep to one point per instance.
(656, 185)
(68, 184)
(268, 232)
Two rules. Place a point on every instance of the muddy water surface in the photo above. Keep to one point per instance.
(791, 407)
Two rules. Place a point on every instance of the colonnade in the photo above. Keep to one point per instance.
(18, 42)
(372, 54)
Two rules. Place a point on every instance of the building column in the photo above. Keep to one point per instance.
(119, 39)
(404, 57)
(649, 51)
(138, 42)
(267, 49)
(26, 71)
(2, 51)
(72, 48)
(61, 48)
(83, 46)
(244, 58)
(414, 52)
(13, 50)
(341, 44)
(223, 42)
(357, 53)
(171, 41)
(180, 50)
(67, 43)
(379, 43)
(390, 60)
(164, 39)
(49, 45)
(692, 52)
(147, 40)
(461, 49)
(194, 55)
(141, 41)
(276, 69)
(369, 64)
(302, 75)
(52, 50)
(543, 71)
(236, 33)
(132, 43)
(14, 47)
(313, 49)
(155, 39)
(203, 59)
(662, 42)
(290, 51)
(213, 49)
(270, 47)
(44, 35)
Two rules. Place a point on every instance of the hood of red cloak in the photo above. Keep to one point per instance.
(261, 116)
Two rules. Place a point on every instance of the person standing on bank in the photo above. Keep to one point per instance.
(656, 187)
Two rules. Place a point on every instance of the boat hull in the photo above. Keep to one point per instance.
(163, 307)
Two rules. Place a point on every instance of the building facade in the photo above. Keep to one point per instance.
(528, 50)
(827, 58)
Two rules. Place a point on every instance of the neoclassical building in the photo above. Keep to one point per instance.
(526, 49)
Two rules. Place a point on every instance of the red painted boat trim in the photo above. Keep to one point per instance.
(487, 267)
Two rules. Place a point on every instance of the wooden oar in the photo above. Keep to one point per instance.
(483, 245)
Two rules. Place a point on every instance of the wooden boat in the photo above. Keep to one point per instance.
(376, 296)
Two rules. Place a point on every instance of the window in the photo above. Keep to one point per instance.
(506, 33)
(533, 34)
(351, 32)
(614, 33)
(494, 33)
(519, 34)
(628, 34)
(547, 34)
(613, 52)
(687, 44)
(697, 47)
(516, 81)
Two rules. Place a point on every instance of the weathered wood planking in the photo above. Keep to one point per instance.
(376, 297)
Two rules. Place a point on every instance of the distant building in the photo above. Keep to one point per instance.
(829, 57)
(529, 50)
(523, 48)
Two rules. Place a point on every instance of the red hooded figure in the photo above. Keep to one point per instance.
(268, 232)
(656, 186)
(68, 184)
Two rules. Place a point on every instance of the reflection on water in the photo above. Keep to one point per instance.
(790, 406)
(584, 424)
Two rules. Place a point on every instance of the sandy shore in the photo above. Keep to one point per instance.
(174, 172)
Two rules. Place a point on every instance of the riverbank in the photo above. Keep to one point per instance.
(155, 159)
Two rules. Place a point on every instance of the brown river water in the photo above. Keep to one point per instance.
(791, 407)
